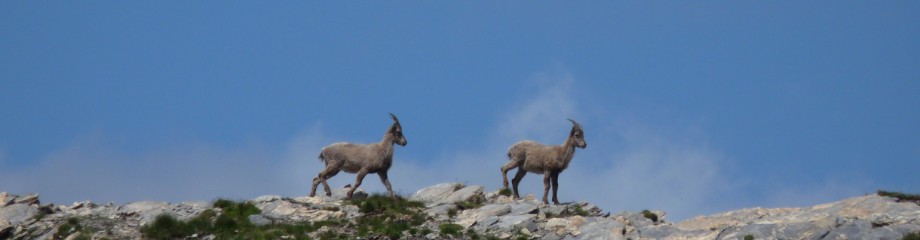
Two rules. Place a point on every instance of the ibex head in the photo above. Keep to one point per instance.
(577, 135)
(396, 130)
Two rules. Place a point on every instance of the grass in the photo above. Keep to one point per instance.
(505, 192)
(232, 222)
(650, 215)
(580, 212)
(70, 227)
(912, 236)
(384, 217)
(452, 212)
(450, 229)
(749, 237)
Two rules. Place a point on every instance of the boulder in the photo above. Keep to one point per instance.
(28, 199)
(15, 214)
(515, 223)
(6, 199)
(464, 194)
(471, 216)
(145, 211)
(433, 195)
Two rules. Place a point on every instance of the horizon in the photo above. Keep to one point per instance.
(689, 108)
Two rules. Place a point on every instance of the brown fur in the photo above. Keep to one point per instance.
(530, 156)
(360, 159)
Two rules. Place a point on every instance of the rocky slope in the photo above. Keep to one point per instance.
(448, 210)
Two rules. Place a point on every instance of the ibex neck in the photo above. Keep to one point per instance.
(568, 149)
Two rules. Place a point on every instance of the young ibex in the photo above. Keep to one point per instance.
(537, 158)
(361, 159)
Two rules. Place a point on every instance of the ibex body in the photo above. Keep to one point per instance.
(360, 159)
(530, 156)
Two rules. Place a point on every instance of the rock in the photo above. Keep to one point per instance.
(464, 194)
(560, 226)
(15, 214)
(515, 223)
(342, 193)
(434, 194)
(266, 198)
(601, 228)
(145, 211)
(30, 199)
(524, 208)
(7, 199)
(471, 216)
(259, 220)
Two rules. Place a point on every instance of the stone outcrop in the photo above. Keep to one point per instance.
(486, 214)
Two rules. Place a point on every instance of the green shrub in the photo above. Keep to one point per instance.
(580, 212)
(749, 237)
(452, 212)
(505, 192)
(651, 216)
(450, 229)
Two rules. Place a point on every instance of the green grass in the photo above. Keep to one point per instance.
(580, 212)
(452, 212)
(231, 223)
(505, 192)
(651, 216)
(749, 237)
(450, 229)
(384, 217)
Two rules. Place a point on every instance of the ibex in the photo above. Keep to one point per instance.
(361, 159)
(537, 158)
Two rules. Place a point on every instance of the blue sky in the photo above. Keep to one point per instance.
(689, 107)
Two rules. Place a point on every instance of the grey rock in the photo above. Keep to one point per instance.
(471, 216)
(601, 228)
(524, 208)
(259, 220)
(464, 194)
(15, 214)
(145, 211)
(28, 199)
(433, 195)
(515, 223)
(7, 199)
(266, 198)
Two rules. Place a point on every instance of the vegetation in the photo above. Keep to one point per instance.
(505, 192)
(384, 217)
(70, 227)
(912, 236)
(749, 237)
(901, 196)
(450, 229)
(232, 222)
(650, 215)
(581, 212)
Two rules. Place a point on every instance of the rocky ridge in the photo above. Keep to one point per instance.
(453, 210)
